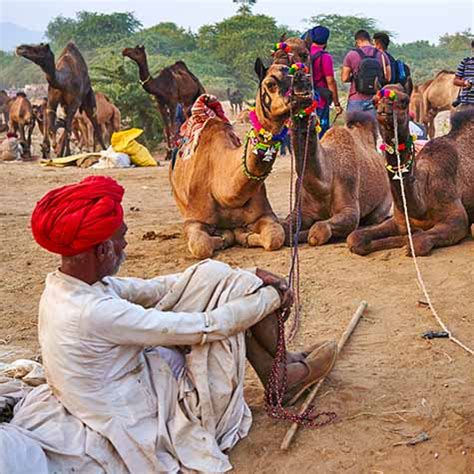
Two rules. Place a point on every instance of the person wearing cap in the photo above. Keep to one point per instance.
(142, 375)
(323, 76)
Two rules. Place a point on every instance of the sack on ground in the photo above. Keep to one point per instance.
(124, 142)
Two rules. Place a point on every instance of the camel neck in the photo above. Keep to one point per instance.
(144, 73)
(51, 73)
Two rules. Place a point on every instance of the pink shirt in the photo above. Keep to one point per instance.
(352, 61)
(322, 68)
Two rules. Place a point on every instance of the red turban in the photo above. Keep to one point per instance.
(75, 218)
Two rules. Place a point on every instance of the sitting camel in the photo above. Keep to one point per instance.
(219, 188)
(69, 85)
(174, 85)
(22, 120)
(438, 182)
(344, 184)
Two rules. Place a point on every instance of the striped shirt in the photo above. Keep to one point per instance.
(466, 71)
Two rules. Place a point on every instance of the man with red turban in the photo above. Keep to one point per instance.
(143, 375)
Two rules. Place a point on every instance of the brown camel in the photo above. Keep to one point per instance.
(296, 52)
(108, 118)
(236, 100)
(438, 182)
(220, 189)
(5, 102)
(438, 96)
(69, 85)
(39, 111)
(416, 100)
(22, 121)
(174, 85)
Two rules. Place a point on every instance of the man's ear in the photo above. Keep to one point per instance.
(103, 249)
(260, 69)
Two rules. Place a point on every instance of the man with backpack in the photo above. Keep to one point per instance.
(325, 85)
(367, 69)
(400, 72)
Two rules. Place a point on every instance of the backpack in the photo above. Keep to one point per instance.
(370, 71)
(323, 92)
(400, 71)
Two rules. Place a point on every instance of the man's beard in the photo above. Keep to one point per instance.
(120, 260)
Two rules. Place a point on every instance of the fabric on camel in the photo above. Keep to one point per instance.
(121, 408)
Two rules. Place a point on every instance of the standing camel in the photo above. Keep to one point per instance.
(174, 85)
(220, 189)
(22, 120)
(438, 96)
(438, 181)
(236, 99)
(416, 100)
(69, 85)
(5, 101)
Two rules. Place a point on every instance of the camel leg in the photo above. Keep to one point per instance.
(49, 127)
(266, 232)
(378, 237)
(65, 141)
(91, 114)
(165, 115)
(202, 244)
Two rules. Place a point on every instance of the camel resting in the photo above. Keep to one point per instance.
(219, 188)
(438, 181)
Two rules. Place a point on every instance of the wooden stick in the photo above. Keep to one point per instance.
(309, 399)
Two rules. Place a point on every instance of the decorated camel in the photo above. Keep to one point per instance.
(438, 182)
(22, 121)
(437, 97)
(108, 118)
(174, 85)
(218, 184)
(236, 100)
(69, 85)
(344, 184)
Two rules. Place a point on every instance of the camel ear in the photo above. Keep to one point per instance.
(283, 37)
(308, 41)
(408, 87)
(377, 84)
(260, 69)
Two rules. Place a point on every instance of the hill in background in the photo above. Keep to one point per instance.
(12, 35)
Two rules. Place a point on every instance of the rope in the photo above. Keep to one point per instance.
(412, 247)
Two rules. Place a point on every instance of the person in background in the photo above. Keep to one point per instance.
(464, 79)
(323, 76)
(366, 68)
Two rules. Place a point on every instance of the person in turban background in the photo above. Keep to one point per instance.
(142, 375)
(325, 84)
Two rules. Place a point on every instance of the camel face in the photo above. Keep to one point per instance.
(136, 54)
(299, 53)
(386, 106)
(40, 54)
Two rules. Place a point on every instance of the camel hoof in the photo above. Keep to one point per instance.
(319, 234)
(275, 239)
(200, 251)
(228, 239)
(358, 243)
(421, 250)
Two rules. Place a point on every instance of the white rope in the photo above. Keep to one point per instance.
(412, 247)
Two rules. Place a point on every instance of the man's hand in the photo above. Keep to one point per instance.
(338, 109)
(280, 284)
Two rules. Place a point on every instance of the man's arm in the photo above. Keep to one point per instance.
(332, 86)
(459, 77)
(122, 323)
(346, 74)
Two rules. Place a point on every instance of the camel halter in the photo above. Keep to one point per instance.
(412, 246)
(145, 81)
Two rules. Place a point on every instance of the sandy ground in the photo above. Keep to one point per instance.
(388, 385)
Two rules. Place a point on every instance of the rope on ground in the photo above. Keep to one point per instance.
(412, 247)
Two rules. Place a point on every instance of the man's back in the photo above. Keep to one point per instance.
(465, 71)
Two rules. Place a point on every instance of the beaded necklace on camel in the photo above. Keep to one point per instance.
(409, 145)
(265, 145)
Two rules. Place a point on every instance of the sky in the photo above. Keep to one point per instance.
(411, 19)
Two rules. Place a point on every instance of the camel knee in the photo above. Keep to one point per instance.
(201, 247)
(358, 242)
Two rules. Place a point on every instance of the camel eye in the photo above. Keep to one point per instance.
(272, 85)
(304, 57)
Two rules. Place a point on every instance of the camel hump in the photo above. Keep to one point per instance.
(444, 71)
(362, 119)
(461, 119)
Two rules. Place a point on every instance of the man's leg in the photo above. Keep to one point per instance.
(323, 115)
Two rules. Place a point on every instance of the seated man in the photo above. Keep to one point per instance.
(143, 375)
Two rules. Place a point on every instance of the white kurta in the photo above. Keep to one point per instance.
(130, 412)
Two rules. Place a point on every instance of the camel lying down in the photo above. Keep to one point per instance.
(438, 181)
(218, 184)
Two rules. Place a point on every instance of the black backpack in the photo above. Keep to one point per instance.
(370, 72)
(400, 71)
(323, 92)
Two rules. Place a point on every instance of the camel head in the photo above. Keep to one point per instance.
(392, 98)
(296, 51)
(136, 54)
(40, 54)
(274, 98)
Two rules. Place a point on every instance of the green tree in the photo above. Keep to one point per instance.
(245, 7)
(90, 30)
(457, 42)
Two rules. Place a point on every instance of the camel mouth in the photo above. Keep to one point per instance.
(21, 51)
(302, 98)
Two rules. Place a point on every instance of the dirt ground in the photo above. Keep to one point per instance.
(389, 384)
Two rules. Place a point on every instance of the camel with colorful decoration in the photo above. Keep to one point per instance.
(343, 179)
(218, 183)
